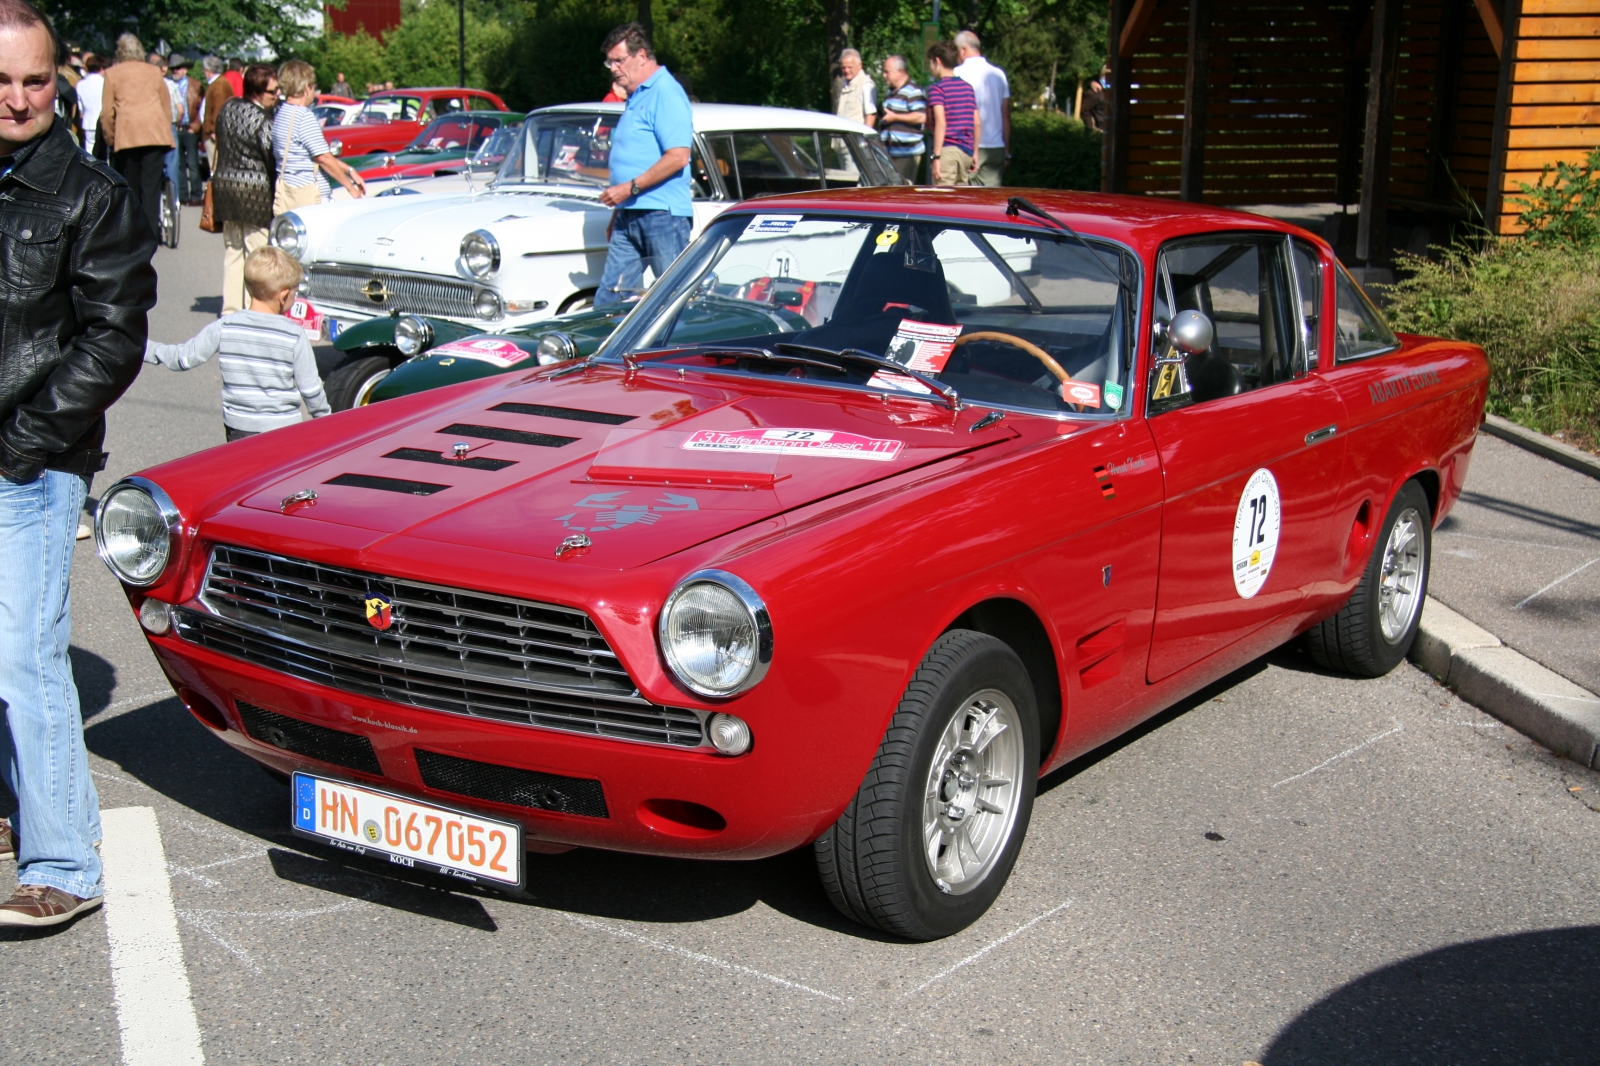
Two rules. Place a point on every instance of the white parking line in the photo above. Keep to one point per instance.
(1398, 728)
(148, 979)
(1557, 581)
(673, 949)
(981, 952)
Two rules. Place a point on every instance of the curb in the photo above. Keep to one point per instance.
(1539, 444)
(1537, 702)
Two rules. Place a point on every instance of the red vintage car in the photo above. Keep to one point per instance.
(1010, 478)
(388, 120)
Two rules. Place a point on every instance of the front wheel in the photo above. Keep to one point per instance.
(351, 385)
(169, 214)
(928, 841)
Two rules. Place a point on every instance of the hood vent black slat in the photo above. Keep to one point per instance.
(423, 455)
(569, 413)
(387, 484)
(510, 436)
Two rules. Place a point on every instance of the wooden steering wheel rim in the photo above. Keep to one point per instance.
(1017, 342)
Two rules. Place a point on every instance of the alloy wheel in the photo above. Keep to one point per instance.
(1400, 581)
(971, 801)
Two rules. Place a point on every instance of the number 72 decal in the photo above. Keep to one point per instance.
(1255, 532)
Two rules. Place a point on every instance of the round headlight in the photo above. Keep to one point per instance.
(715, 634)
(336, 147)
(486, 304)
(480, 253)
(556, 348)
(412, 335)
(133, 530)
(289, 233)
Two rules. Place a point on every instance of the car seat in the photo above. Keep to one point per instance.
(883, 289)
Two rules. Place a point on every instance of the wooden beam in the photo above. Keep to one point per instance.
(1118, 113)
(1357, 45)
(1442, 122)
(1133, 29)
(1196, 82)
(1493, 198)
(1493, 24)
(1372, 226)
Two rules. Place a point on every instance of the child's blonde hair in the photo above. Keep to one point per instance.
(269, 271)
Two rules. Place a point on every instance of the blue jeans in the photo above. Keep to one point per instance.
(42, 756)
(640, 239)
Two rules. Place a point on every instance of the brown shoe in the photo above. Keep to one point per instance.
(39, 905)
(8, 840)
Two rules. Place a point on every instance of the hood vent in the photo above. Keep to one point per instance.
(569, 413)
(387, 484)
(423, 455)
(510, 436)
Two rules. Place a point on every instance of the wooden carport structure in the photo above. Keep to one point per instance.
(1412, 110)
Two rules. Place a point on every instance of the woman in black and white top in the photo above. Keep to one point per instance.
(245, 176)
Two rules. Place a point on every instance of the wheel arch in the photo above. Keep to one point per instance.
(1019, 626)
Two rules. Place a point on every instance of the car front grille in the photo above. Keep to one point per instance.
(381, 291)
(509, 785)
(451, 650)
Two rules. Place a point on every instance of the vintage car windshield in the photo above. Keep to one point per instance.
(492, 152)
(1003, 315)
(381, 109)
(565, 147)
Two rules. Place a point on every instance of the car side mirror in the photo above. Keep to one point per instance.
(1191, 333)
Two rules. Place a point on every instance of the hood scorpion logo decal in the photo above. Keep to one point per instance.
(599, 512)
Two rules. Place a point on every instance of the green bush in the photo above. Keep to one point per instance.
(1050, 150)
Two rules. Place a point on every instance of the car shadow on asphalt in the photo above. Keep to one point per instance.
(1528, 998)
(1534, 515)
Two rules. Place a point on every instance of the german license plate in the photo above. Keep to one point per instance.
(334, 328)
(408, 833)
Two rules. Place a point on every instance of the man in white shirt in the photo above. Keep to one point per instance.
(993, 90)
(858, 94)
(91, 88)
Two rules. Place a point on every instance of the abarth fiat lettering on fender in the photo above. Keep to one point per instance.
(1000, 479)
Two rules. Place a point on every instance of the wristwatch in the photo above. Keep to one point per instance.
(634, 188)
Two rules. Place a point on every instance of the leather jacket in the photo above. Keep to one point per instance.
(242, 184)
(75, 285)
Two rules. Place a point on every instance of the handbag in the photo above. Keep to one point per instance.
(208, 219)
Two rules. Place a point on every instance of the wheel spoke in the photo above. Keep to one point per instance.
(988, 737)
(985, 805)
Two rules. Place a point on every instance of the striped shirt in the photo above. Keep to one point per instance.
(898, 139)
(297, 141)
(960, 105)
(267, 368)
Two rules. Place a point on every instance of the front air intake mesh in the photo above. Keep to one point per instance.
(506, 784)
(350, 750)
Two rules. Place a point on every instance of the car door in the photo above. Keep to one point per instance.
(1249, 452)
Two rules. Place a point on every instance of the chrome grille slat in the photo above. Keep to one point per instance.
(408, 293)
(451, 650)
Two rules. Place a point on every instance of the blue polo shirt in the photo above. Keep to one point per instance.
(657, 117)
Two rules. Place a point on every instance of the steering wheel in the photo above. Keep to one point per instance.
(1028, 346)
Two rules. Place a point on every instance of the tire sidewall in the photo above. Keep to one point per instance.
(1387, 655)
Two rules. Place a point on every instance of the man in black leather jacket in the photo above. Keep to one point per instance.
(75, 285)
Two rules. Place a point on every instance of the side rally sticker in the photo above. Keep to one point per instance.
(820, 443)
(500, 353)
(1255, 533)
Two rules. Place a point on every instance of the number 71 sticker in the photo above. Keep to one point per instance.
(1255, 532)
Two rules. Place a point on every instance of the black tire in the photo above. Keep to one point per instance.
(169, 215)
(1354, 640)
(347, 384)
(873, 861)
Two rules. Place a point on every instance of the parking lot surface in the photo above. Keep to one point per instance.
(1290, 867)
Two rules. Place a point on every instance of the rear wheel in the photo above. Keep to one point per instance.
(1374, 630)
(169, 214)
(930, 838)
(351, 385)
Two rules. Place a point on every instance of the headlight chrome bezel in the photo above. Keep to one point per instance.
(756, 610)
(562, 348)
(488, 299)
(290, 221)
(483, 244)
(171, 520)
(418, 337)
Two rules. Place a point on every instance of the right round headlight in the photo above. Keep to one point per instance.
(289, 233)
(715, 634)
(133, 530)
(486, 305)
(555, 348)
(412, 335)
(336, 146)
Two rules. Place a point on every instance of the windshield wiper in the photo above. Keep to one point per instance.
(856, 355)
(631, 359)
(1021, 204)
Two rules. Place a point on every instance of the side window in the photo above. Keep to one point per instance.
(700, 185)
(1241, 284)
(1308, 278)
(1361, 330)
(722, 158)
(776, 163)
(875, 165)
(839, 167)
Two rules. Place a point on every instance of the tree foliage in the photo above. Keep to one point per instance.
(227, 27)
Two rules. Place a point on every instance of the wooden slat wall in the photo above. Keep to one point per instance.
(1555, 93)
(1409, 171)
(1474, 126)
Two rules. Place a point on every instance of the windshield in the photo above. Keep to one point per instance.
(564, 147)
(459, 130)
(493, 151)
(1015, 317)
(382, 109)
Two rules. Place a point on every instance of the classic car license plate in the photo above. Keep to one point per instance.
(417, 835)
(334, 328)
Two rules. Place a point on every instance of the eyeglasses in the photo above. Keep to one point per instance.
(613, 64)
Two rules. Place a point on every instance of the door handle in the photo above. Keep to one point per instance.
(1317, 436)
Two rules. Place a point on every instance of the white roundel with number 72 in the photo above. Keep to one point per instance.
(1255, 533)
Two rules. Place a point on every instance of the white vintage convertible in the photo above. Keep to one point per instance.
(532, 244)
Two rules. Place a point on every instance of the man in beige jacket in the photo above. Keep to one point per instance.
(136, 116)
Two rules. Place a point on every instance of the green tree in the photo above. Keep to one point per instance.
(360, 56)
(228, 27)
(422, 49)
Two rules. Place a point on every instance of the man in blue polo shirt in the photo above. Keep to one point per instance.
(649, 167)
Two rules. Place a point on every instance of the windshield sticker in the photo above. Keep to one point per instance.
(924, 346)
(886, 239)
(1081, 392)
(765, 224)
(566, 158)
(1113, 393)
(602, 512)
(500, 353)
(820, 443)
(1255, 533)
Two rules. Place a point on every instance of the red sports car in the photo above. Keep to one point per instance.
(389, 120)
(1015, 477)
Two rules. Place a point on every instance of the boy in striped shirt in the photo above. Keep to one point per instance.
(956, 124)
(267, 364)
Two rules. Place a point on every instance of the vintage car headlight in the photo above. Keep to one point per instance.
(715, 634)
(336, 147)
(486, 304)
(556, 348)
(412, 335)
(289, 233)
(480, 253)
(134, 528)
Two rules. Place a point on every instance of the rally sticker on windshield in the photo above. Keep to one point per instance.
(771, 224)
(500, 353)
(819, 443)
(924, 346)
(1081, 392)
(1255, 533)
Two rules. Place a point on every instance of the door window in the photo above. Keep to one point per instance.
(1361, 331)
(1308, 279)
(776, 163)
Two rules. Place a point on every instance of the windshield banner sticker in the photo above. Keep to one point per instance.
(500, 353)
(1255, 533)
(924, 346)
(1081, 392)
(763, 224)
(820, 443)
(601, 512)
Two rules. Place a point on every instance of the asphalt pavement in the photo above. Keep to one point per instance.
(1288, 868)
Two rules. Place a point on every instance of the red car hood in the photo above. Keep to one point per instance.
(643, 468)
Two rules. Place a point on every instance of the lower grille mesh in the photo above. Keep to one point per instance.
(506, 784)
(350, 750)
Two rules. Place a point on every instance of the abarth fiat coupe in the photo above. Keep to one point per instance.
(1006, 477)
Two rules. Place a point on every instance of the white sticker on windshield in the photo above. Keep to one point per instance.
(771, 224)
(819, 443)
(924, 346)
(1255, 533)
